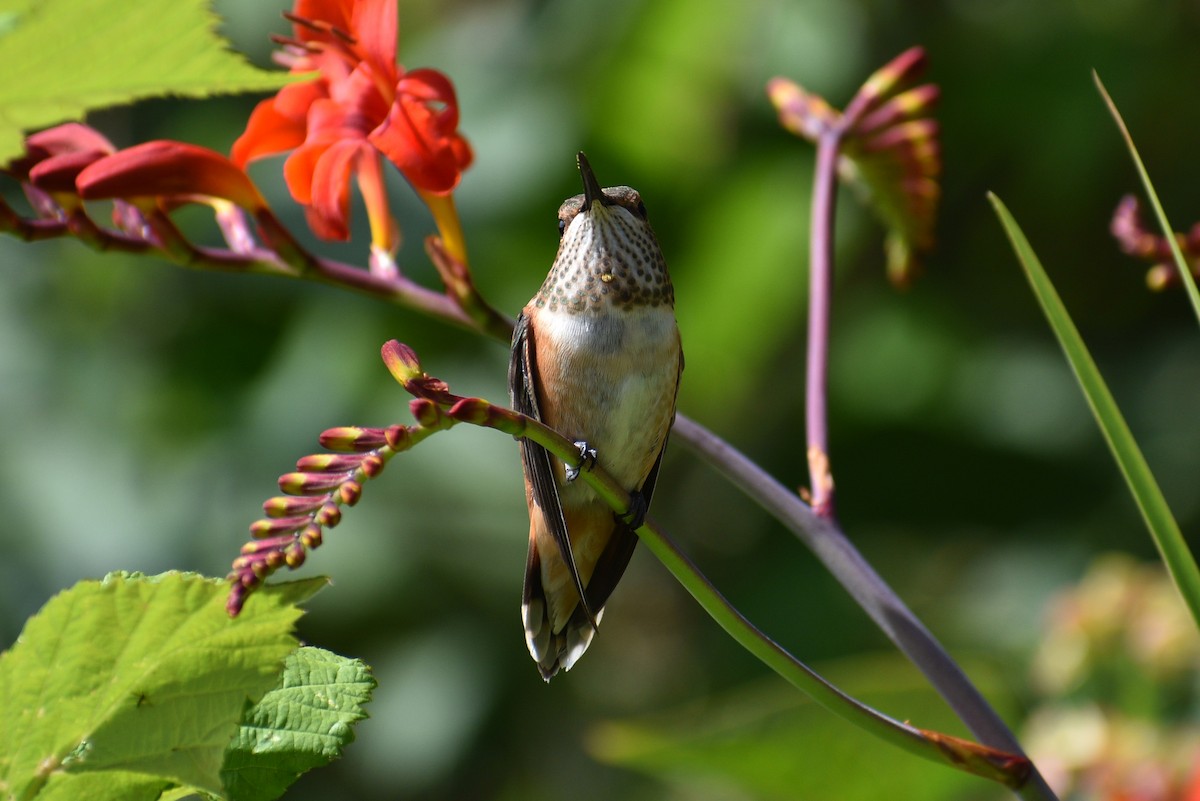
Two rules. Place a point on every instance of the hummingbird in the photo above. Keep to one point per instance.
(596, 356)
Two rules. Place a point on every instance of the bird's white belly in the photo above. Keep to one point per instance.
(611, 380)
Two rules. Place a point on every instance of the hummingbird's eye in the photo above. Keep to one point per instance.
(641, 209)
(562, 228)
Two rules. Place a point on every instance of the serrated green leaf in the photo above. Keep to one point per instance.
(303, 723)
(1145, 490)
(138, 678)
(65, 57)
(108, 784)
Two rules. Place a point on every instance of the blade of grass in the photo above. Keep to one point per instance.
(1185, 273)
(1153, 506)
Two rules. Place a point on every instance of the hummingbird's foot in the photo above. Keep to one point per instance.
(637, 511)
(587, 455)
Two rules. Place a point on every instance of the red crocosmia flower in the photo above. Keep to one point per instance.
(420, 135)
(363, 104)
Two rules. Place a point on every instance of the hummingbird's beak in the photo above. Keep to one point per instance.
(591, 187)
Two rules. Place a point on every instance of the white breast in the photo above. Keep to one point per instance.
(620, 371)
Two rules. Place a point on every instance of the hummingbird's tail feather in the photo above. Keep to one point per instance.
(554, 651)
(557, 627)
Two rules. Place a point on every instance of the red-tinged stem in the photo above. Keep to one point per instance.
(456, 277)
(397, 290)
(820, 293)
(401, 291)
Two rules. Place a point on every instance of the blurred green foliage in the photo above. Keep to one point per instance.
(145, 411)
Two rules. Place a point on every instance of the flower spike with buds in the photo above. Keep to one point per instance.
(884, 145)
(323, 483)
(890, 150)
(1135, 239)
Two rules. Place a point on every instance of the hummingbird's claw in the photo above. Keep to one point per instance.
(637, 511)
(587, 455)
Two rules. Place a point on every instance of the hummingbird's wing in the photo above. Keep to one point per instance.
(522, 386)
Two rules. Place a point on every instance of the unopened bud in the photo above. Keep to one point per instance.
(310, 483)
(352, 439)
(425, 411)
(350, 492)
(291, 505)
(311, 537)
(272, 526)
(328, 462)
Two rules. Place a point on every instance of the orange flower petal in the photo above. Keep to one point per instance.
(298, 171)
(337, 13)
(420, 135)
(375, 26)
(331, 187)
(278, 123)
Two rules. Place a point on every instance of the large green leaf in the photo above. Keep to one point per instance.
(65, 57)
(1146, 493)
(301, 724)
(121, 687)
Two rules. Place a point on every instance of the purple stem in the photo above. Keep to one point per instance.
(398, 289)
(820, 291)
(816, 526)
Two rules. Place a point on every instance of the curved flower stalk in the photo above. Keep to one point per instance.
(315, 494)
(52, 160)
(885, 145)
(889, 151)
(323, 483)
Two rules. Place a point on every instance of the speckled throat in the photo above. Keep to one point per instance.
(608, 258)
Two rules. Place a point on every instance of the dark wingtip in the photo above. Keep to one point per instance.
(591, 187)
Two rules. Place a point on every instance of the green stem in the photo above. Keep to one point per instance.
(1012, 770)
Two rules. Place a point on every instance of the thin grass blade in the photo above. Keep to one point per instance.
(1146, 493)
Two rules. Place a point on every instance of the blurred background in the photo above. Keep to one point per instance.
(146, 411)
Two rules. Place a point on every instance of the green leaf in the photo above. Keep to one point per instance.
(122, 685)
(1151, 503)
(301, 724)
(1181, 263)
(66, 57)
